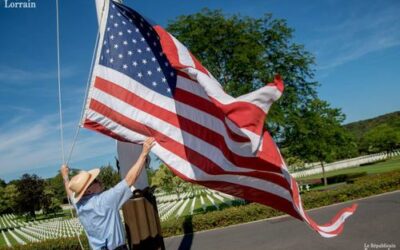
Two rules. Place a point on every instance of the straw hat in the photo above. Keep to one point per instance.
(80, 182)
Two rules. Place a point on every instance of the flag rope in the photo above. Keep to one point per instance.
(64, 160)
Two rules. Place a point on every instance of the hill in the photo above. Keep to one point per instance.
(378, 134)
(360, 128)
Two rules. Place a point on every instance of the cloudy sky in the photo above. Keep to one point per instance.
(356, 45)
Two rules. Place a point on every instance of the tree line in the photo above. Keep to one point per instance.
(30, 193)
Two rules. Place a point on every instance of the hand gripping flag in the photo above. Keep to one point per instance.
(146, 83)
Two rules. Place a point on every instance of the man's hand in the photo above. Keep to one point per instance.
(147, 145)
(134, 172)
(64, 171)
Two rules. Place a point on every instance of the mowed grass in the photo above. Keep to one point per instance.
(11, 239)
(380, 167)
(2, 240)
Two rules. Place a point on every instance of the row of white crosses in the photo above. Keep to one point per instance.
(11, 221)
(8, 221)
(169, 204)
(169, 208)
(49, 229)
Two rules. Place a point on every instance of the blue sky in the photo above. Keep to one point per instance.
(356, 44)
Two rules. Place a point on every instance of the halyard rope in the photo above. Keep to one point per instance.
(60, 106)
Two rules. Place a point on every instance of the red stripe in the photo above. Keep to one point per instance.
(339, 229)
(183, 74)
(168, 47)
(198, 65)
(350, 209)
(245, 192)
(270, 152)
(208, 107)
(311, 222)
(278, 83)
(243, 114)
(185, 124)
(92, 125)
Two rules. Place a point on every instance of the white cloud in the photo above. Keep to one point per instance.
(35, 143)
(22, 76)
(360, 32)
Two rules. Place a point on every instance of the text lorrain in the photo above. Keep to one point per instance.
(27, 4)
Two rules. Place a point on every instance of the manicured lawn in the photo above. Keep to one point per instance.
(11, 239)
(380, 167)
(2, 241)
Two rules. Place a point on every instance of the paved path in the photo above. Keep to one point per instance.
(377, 220)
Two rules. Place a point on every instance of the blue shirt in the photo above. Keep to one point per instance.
(99, 215)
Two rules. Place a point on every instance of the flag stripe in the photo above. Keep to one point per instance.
(102, 129)
(184, 56)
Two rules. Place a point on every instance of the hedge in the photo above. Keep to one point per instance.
(362, 187)
(53, 244)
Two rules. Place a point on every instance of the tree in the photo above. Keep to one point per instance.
(243, 53)
(30, 191)
(316, 134)
(109, 176)
(2, 183)
(8, 196)
(383, 137)
(163, 178)
(56, 184)
(49, 202)
(169, 182)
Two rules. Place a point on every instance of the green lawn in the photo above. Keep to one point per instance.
(2, 241)
(380, 167)
(11, 239)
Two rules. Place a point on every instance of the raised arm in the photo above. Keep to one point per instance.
(64, 173)
(136, 168)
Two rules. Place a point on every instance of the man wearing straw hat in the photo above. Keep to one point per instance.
(98, 211)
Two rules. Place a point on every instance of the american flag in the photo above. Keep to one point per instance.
(146, 83)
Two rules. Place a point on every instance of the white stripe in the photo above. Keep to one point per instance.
(213, 88)
(200, 117)
(183, 53)
(262, 97)
(195, 143)
(115, 127)
(324, 231)
(337, 223)
(193, 172)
